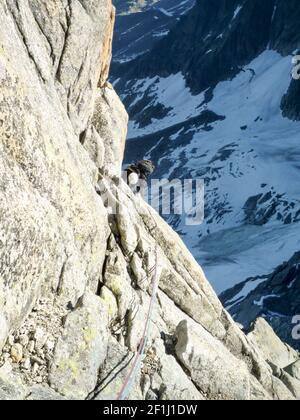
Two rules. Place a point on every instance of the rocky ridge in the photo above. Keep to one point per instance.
(76, 279)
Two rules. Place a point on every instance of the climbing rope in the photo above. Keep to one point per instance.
(130, 378)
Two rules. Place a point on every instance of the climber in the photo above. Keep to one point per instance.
(138, 172)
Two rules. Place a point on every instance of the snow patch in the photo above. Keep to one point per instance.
(237, 11)
(263, 298)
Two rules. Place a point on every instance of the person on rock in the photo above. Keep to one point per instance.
(139, 172)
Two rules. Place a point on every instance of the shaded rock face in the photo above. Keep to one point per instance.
(75, 278)
(201, 44)
(140, 24)
(81, 349)
(276, 298)
(294, 369)
(284, 32)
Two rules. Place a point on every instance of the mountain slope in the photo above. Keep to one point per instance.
(141, 24)
(201, 45)
(215, 39)
(276, 297)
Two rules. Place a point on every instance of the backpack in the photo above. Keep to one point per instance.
(146, 168)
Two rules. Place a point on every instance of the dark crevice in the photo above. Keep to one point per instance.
(170, 342)
(101, 282)
(68, 14)
(80, 72)
(82, 137)
(24, 39)
(52, 55)
(61, 279)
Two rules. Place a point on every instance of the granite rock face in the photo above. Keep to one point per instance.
(60, 241)
(51, 239)
(272, 348)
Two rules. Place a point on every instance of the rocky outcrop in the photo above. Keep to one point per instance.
(79, 252)
(283, 359)
(272, 348)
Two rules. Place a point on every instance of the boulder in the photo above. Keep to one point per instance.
(212, 367)
(270, 345)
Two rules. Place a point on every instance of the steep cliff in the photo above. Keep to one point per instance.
(76, 279)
